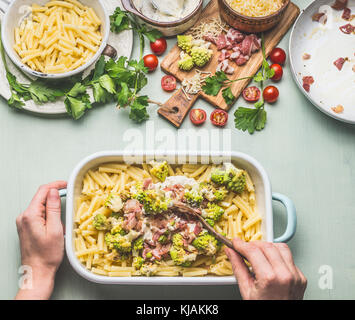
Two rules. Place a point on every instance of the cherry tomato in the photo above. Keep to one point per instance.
(168, 83)
(198, 116)
(278, 72)
(219, 118)
(251, 94)
(151, 62)
(159, 46)
(270, 94)
(278, 55)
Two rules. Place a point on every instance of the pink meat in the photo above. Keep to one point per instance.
(197, 229)
(160, 223)
(320, 17)
(256, 45)
(225, 67)
(235, 36)
(132, 205)
(224, 55)
(247, 45)
(210, 38)
(221, 41)
(339, 63)
(130, 221)
(235, 55)
(307, 81)
(347, 29)
(339, 4)
(160, 251)
(241, 60)
(346, 14)
(147, 183)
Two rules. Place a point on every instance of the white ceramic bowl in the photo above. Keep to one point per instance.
(16, 12)
(263, 199)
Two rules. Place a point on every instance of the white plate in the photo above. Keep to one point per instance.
(325, 44)
(122, 42)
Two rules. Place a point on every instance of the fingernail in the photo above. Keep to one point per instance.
(53, 194)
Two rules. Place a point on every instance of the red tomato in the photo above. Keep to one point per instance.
(270, 94)
(251, 94)
(278, 72)
(151, 62)
(278, 55)
(198, 116)
(219, 118)
(159, 46)
(168, 83)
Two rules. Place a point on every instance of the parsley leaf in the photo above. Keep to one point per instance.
(250, 119)
(228, 96)
(119, 21)
(138, 111)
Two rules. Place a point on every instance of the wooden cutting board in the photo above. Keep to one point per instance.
(177, 107)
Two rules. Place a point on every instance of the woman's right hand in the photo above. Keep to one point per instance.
(275, 275)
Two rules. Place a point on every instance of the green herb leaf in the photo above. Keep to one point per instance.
(41, 93)
(228, 96)
(139, 109)
(250, 119)
(119, 21)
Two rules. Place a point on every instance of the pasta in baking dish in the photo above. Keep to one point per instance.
(126, 223)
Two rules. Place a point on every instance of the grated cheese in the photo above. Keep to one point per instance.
(256, 8)
(213, 27)
(194, 84)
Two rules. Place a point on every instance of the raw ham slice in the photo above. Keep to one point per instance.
(210, 38)
(307, 81)
(197, 229)
(130, 221)
(224, 55)
(221, 41)
(235, 36)
(346, 14)
(146, 183)
(347, 29)
(339, 63)
(246, 46)
(224, 66)
(241, 60)
(339, 4)
(235, 55)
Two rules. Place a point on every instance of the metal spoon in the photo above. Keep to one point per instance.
(183, 208)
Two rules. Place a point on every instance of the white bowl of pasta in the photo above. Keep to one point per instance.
(105, 209)
(55, 39)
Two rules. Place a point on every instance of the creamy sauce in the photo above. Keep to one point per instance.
(182, 180)
(167, 10)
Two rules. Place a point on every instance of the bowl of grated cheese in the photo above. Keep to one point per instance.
(252, 15)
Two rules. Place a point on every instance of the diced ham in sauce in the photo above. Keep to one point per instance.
(347, 29)
(339, 4)
(346, 14)
(320, 17)
(339, 63)
(307, 81)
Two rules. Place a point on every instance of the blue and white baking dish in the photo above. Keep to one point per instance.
(264, 198)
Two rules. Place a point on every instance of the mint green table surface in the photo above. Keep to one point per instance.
(308, 156)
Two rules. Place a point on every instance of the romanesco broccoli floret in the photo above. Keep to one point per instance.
(148, 269)
(193, 198)
(138, 244)
(213, 212)
(233, 179)
(114, 202)
(153, 202)
(220, 194)
(118, 242)
(137, 262)
(185, 42)
(200, 56)
(181, 257)
(177, 240)
(206, 244)
(100, 222)
(185, 63)
(160, 170)
(211, 193)
(117, 226)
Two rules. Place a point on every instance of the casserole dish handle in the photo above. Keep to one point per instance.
(291, 217)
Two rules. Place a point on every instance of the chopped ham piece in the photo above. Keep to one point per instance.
(306, 56)
(224, 55)
(241, 60)
(307, 81)
(132, 205)
(320, 17)
(339, 4)
(235, 36)
(197, 229)
(210, 38)
(235, 55)
(247, 45)
(346, 14)
(339, 63)
(224, 66)
(221, 41)
(130, 221)
(160, 251)
(338, 109)
(146, 183)
(347, 29)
